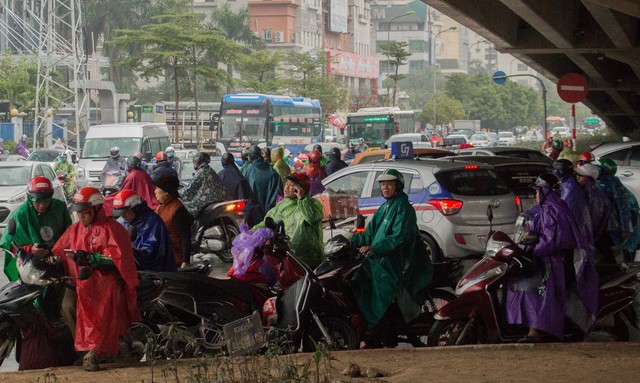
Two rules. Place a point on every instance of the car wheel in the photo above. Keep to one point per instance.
(432, 248)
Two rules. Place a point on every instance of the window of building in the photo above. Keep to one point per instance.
(417, 45)
(416, 65)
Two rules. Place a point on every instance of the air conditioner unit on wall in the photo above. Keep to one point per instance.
(279, 37)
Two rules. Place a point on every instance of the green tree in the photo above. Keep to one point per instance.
(233, 26)
(397, 53)
(447, 108)
(307, 79)
(177, 46)
(419, 87)
(17, 82)
(258, 71)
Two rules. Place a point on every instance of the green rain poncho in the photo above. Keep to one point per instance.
(399, 266)
(31, 227)
(279, 164)
(303, 224)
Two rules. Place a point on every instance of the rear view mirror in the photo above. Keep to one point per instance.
(270, 223)
(360, 222)
(11, 227)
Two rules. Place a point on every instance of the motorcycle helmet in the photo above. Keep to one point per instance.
(300, 179)
(200, 158)
(312, 170)
(254, 152)
(335, 153)
(317, 147)
(315, 156)
(138, 154)
(548, 181)
(588, 170)
(85, 198)
(170, 151)
(557, 144)
(562, 168)
(115, 152)
(266, 153)
(392, 175)
(585, 157)
(161, 156)
(134, 162)
(227, 159)
(125, 199)
(608, 166)
(39, 188)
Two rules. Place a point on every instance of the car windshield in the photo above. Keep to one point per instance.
(100, 147)
(43, 156)
(479, 137)
(472, 182)
(15, 175)
(505, 134)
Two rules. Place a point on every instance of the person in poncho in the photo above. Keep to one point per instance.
(106, 302)
(40, 221)
(302, 217)
(396, 265)
(566, 286)
(263, 179)
(205, 188)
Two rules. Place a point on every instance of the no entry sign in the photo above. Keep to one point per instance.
(572, 87)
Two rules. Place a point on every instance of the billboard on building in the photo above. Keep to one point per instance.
(338, 16)
(352, 64)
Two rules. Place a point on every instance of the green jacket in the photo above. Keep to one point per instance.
(279, 164)
(399, 266)
(29, 226)
(303, 224)
(69, 170)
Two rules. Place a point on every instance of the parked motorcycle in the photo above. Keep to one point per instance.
(213, 231)
(343, 260)
(477, 315)
(17, 310)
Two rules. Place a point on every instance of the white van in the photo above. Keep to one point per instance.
(148, 138)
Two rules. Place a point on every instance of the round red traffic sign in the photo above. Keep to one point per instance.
(573, 87)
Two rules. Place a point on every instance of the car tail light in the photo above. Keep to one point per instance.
(459, 239)
(235, 207)
(471, 167)
(447, 206)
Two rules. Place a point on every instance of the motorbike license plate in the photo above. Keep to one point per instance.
(245, 335)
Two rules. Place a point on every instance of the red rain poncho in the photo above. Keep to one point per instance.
(106, 301)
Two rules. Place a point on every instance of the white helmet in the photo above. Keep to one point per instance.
(588, 170)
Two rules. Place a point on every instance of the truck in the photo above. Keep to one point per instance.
(466, 127)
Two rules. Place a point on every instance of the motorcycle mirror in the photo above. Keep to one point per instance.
(332, 223)
(360, 221)
(133, 233)
(11, 227)
(84, 273)
(270, 223)
(280, 227)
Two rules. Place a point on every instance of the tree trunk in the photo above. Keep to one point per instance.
(230, 80)
(395, 87)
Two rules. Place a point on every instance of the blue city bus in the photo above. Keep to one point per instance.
(268, 120)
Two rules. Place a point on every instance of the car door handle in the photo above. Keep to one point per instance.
(627, 173)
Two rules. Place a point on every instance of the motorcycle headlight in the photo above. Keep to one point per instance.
(30, 274)
(18, 198)
(332, 248)
(493, 247)
(80, 173)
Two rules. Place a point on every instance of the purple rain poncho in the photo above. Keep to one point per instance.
(576, 200)
(541, 301)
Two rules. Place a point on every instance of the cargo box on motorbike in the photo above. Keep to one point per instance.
(339, 205)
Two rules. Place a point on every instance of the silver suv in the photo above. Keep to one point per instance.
(627, 156)
(450, 198)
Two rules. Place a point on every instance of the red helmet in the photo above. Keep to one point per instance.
(314, 156)
(161, 156)
(313, 170)
(301, 179)
(126, 199)
(85, 198)
(40, 188)
(298, 165)
(587, 157)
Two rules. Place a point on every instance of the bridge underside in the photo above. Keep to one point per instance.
(597, 38)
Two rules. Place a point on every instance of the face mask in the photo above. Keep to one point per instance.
(62, 159)
(169, 155)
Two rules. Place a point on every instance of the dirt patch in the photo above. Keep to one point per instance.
(591, 362)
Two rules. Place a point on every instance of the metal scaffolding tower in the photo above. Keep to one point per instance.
(50, 31)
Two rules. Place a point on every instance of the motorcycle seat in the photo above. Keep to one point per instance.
(608, 272)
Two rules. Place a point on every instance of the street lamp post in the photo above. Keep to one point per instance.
(469, 51)
(389, 43)
(433, 62)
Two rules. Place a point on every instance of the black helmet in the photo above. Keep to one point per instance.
(266, 151)
(562, 168)
(335, 153)
(201, 158)
(115, 152)
(134, 162)
(547, 180)
(317, 147)
(227, 159)
(254, 152)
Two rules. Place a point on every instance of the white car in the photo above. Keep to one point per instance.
(506, 139)
(480, 140)
(532, 136)
(627, 156)
(13, 184)
(561, 132)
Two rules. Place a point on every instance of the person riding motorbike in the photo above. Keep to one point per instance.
(3, 151)
(566, 283)
(574, 196)
(335, 162)
(174, 161)
(143, 163)
(568, 153)
(396, 265)
(163, 166)
(263, 179)
(115, 162)
(238, 188)
(139, 181)
(106, 302)
(556, 148)
(22, 147)
(152, 247)
(175, 216)
(69, 170)
(279, 164)
(205, 187)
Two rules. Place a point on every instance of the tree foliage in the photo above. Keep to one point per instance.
(447, 110)
(18, 82)
(397, 54)
(176, 46)
(258, 72)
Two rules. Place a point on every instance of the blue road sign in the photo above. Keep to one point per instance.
(499, 77)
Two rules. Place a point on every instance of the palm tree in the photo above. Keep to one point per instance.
(234, 26)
